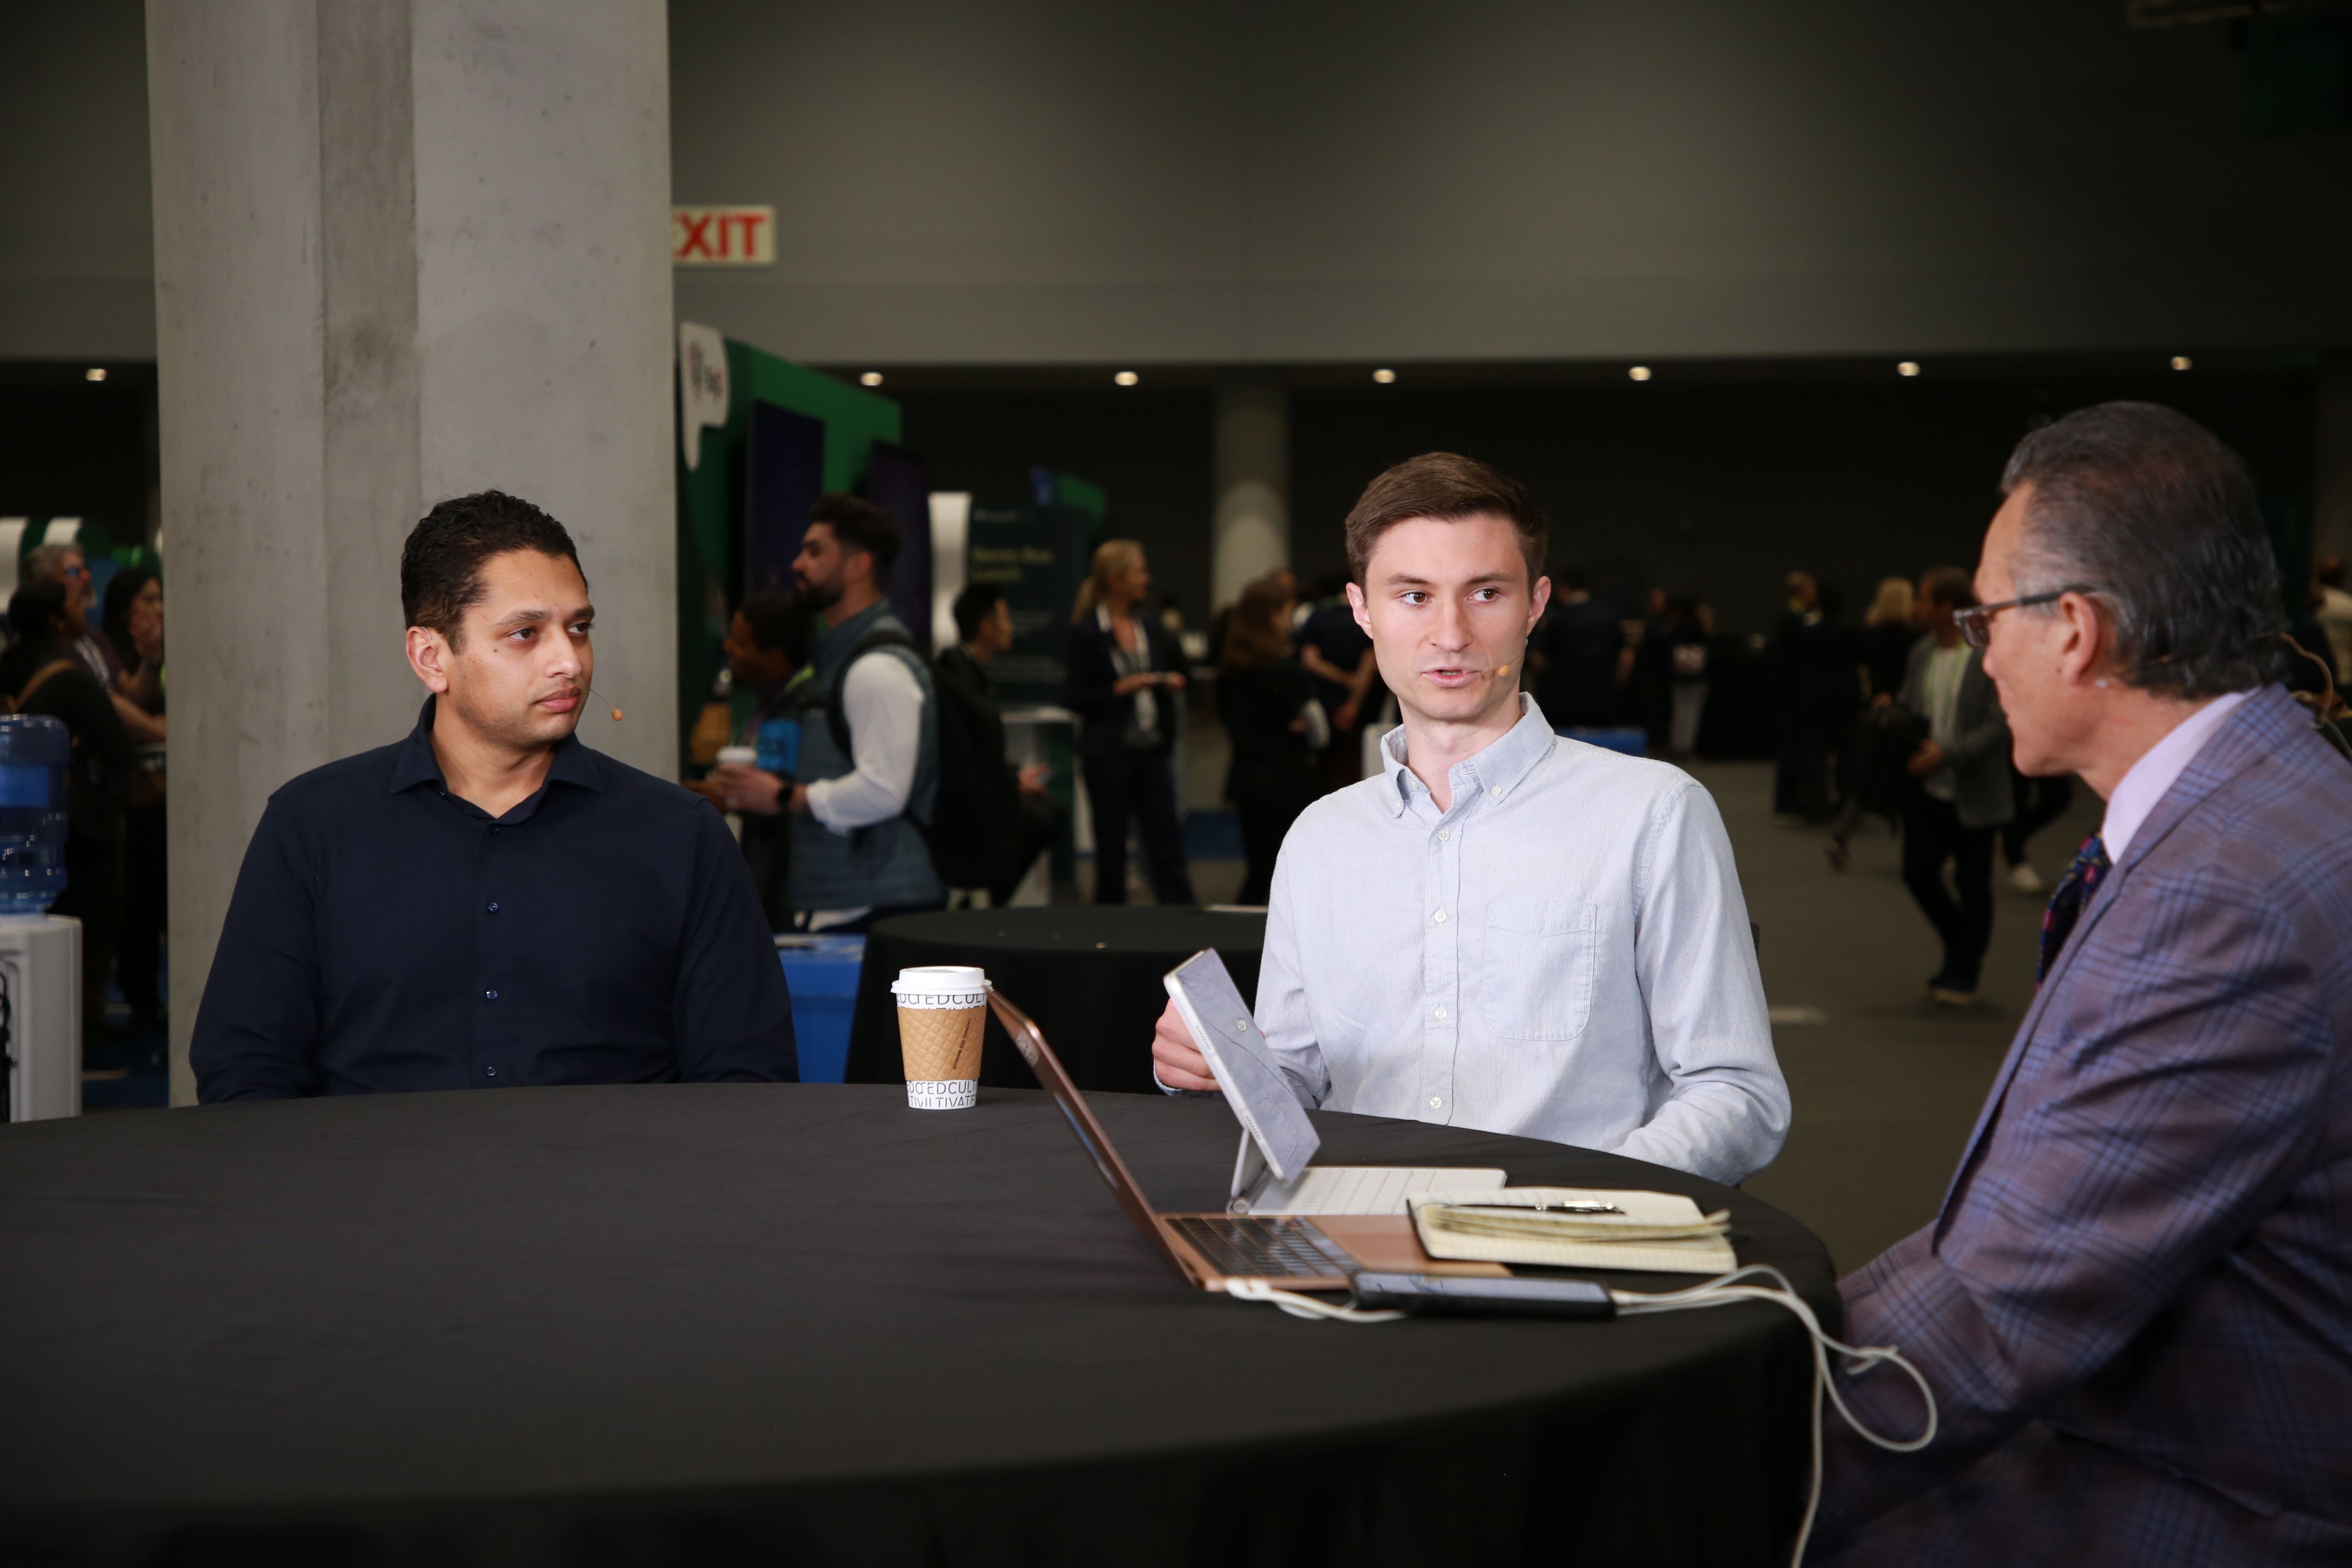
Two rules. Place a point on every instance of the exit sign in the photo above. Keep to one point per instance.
(722, 236)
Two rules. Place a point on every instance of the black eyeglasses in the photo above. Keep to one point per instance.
(1975, 623)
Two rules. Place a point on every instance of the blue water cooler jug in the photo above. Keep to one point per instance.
(33, 751)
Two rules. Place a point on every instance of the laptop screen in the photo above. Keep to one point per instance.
(1030, 1041)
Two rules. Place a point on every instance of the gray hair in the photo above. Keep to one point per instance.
(2145, 508)
(47, 565)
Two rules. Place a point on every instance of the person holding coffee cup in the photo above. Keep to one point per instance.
(767, 652)
(867, 778)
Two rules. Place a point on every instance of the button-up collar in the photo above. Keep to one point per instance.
(1493, 772)
(417, 763)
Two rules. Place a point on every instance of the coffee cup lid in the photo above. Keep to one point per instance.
(941, 980)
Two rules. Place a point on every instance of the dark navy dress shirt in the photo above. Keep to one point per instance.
(388, 935)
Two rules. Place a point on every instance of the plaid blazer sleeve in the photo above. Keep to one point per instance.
(2164, 1099)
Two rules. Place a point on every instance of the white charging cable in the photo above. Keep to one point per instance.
(1307, 1306)
(1724, 1290)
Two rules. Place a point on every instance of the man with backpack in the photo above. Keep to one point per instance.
(868, 777)
(993, 819)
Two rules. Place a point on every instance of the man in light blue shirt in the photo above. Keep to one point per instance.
(1505, 929)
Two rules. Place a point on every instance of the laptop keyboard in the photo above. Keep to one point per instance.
(1367, 1189)
(1250, 1247)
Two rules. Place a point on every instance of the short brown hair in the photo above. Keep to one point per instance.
(1447, 487)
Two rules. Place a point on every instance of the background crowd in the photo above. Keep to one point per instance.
(98, 669)
(1888, 716)
(1855, 702)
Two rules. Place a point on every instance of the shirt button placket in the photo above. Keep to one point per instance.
(1442, 966)
(489, 953)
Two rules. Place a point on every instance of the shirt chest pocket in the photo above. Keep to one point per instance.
(1538, 964)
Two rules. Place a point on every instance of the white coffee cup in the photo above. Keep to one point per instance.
(942, 1011)
(739, 756)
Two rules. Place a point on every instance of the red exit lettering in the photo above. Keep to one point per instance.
(723, 237)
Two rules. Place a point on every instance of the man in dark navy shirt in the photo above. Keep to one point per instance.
(490, 903)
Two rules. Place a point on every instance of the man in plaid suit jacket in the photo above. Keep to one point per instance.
(2136, 1305)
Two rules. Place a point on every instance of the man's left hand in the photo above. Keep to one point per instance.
(751, 790)
(1929, 757)
(1176, 1060)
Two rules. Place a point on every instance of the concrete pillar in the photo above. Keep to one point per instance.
(2331, 450)
(404, 249)
(1252, 533)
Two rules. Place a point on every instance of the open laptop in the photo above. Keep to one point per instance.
(1271, 1174)
(1210, 1250)
(1380, 1262)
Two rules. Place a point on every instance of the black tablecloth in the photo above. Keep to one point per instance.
(719, 1325)
(1090, 976)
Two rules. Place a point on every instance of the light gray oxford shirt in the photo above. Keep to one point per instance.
(1564, 955)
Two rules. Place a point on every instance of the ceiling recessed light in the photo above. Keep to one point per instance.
(2180, 361)
(1126, 378)
(95, 373)
(871, 378)
(1909, 367)
(1384, 376)
(1638, 373)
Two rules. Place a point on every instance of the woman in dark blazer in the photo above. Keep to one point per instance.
(1127, 685)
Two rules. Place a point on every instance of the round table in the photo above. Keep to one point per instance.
(1088, 974)
(719, 1324)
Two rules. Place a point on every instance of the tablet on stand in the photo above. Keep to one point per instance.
(1272, 1173)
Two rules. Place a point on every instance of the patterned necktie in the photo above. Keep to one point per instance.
(2074, 891)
